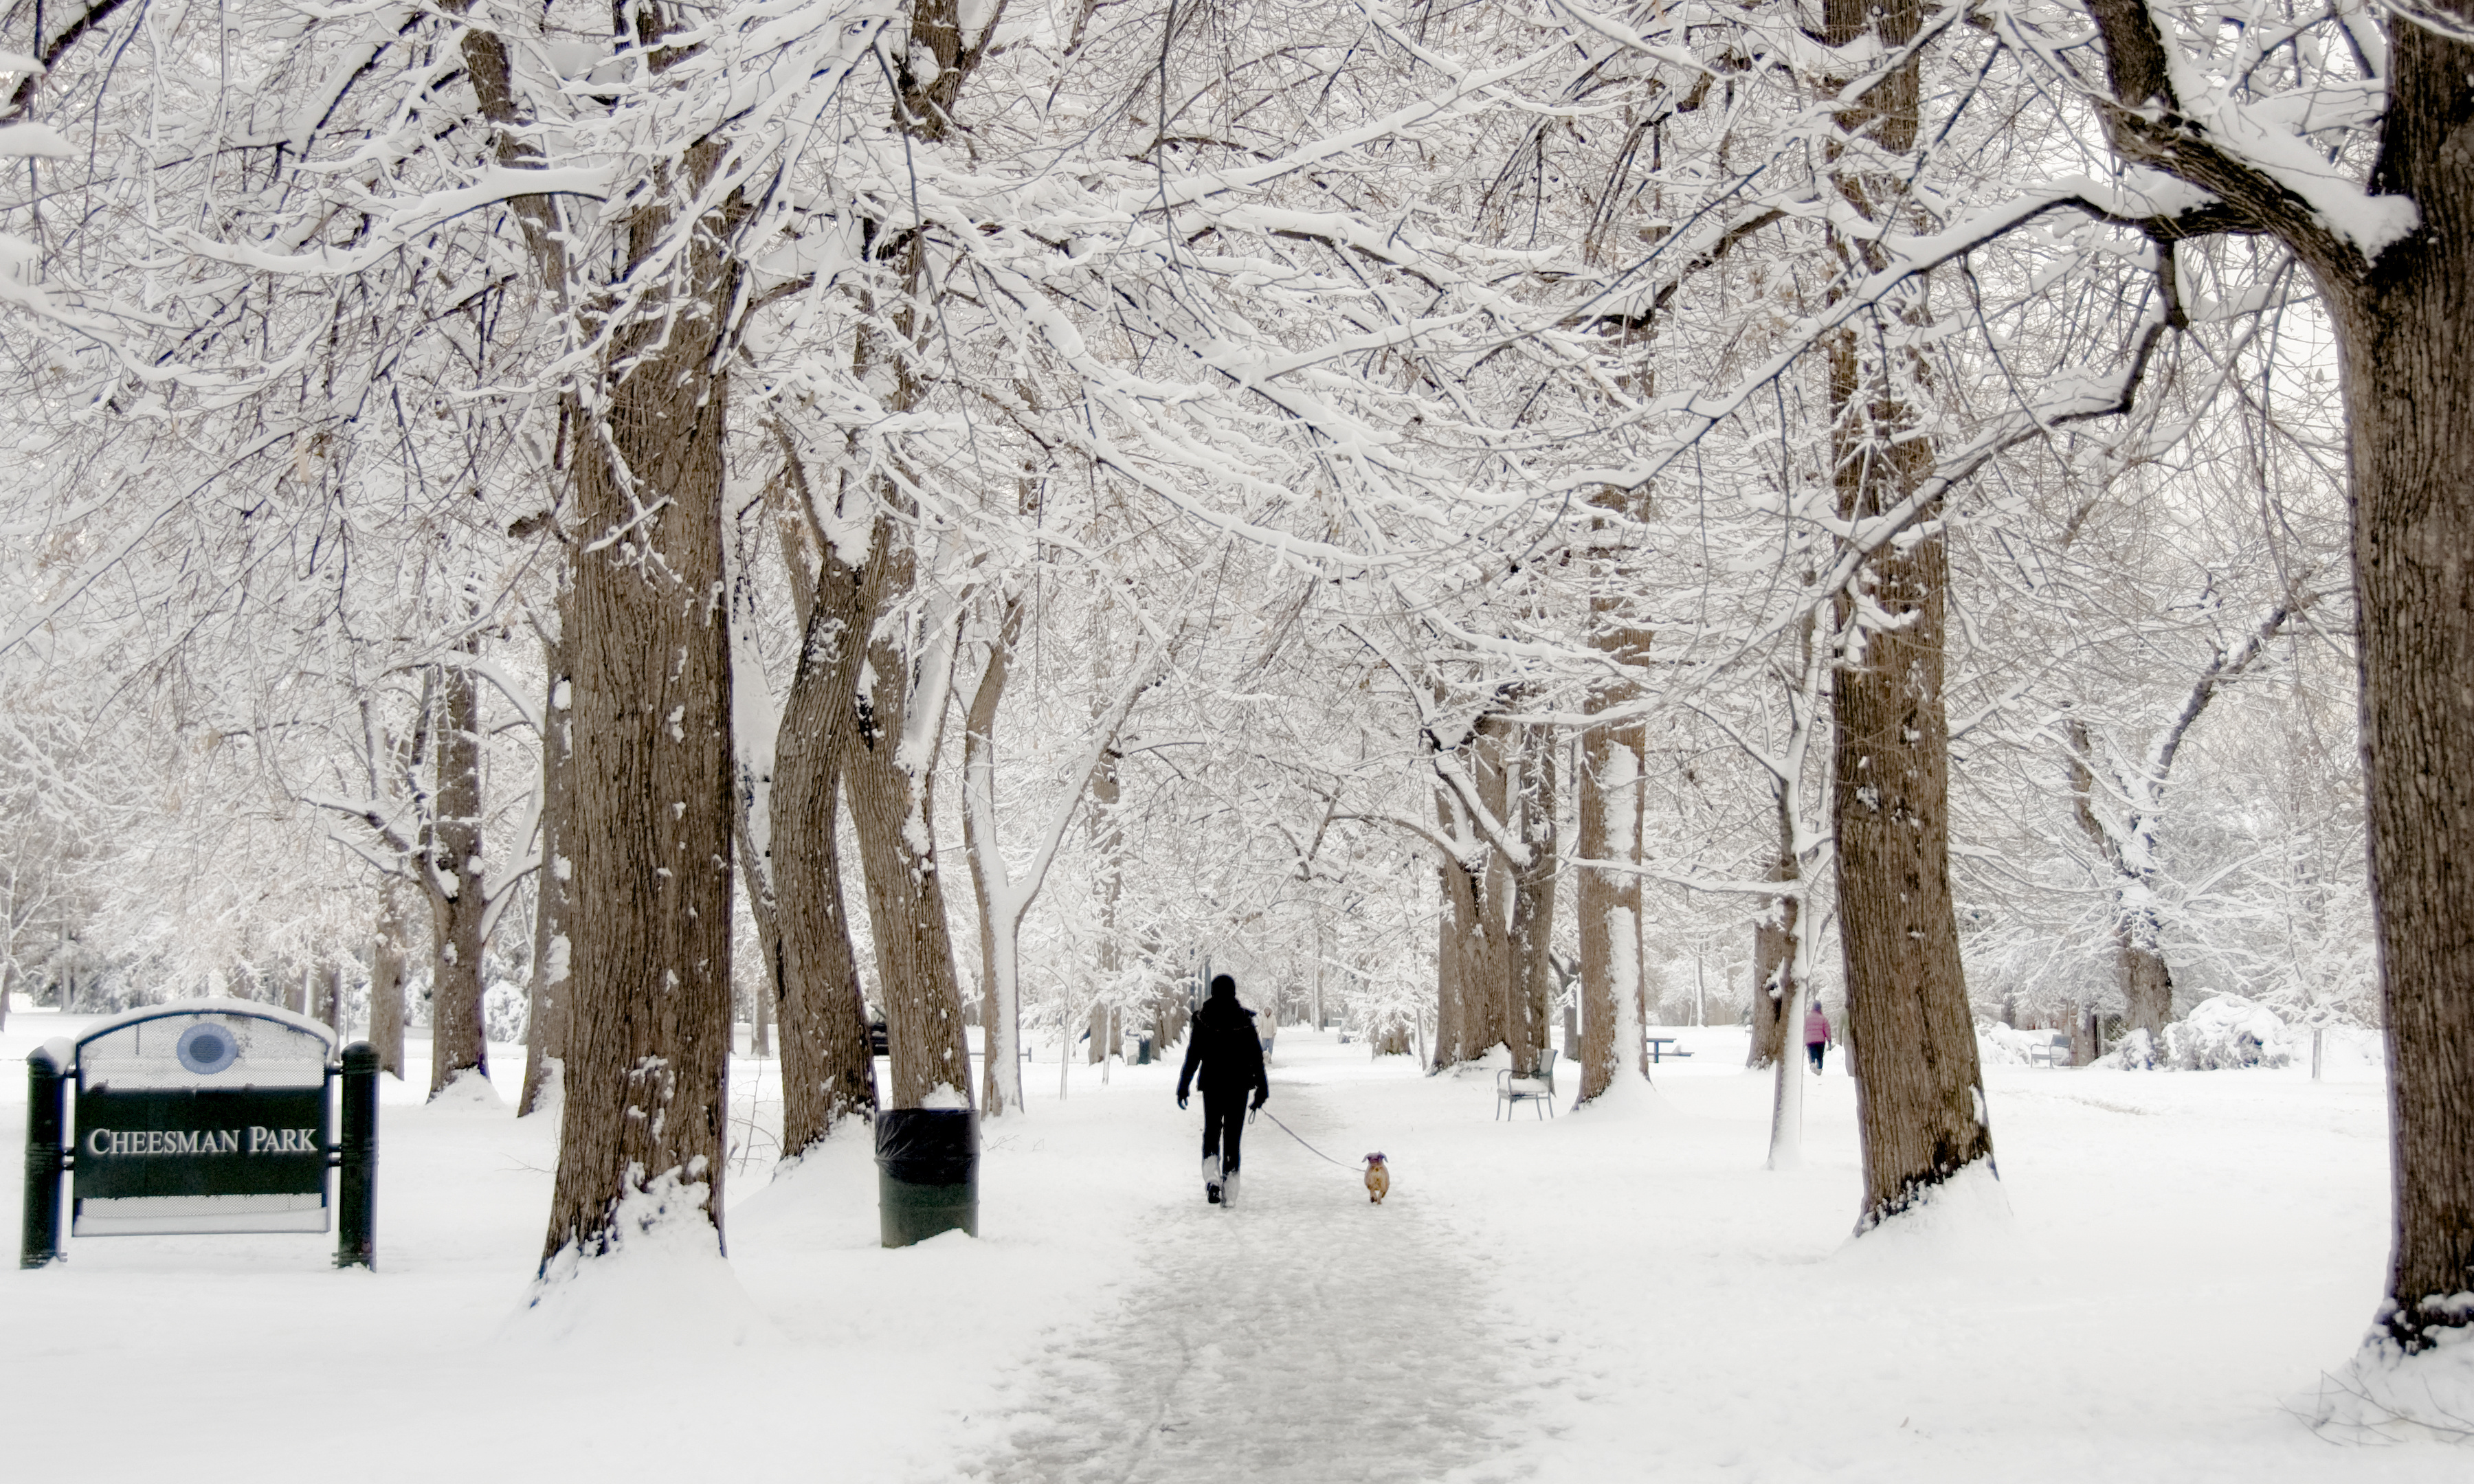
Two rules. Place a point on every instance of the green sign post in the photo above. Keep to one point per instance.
(200, 1117)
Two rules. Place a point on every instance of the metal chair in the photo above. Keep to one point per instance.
(1512, 1089)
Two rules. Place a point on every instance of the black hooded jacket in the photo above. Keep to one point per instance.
(1224, 1045)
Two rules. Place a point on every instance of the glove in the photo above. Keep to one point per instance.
(1260, 1095)
(1180, 1100)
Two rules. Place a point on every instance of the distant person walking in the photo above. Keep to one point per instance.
(1816, 1035)
(1229, 1055)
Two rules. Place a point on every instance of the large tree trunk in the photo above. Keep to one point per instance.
(390, 949)
(2138, 926)
(1000, 992)
(2406, 351)
(1473, 956)
(906, 899)
(1774, 958)
(999, 923)
(1107, 851)
(1531, 982)
(2089, 1033)
(2140, 969)
(1609, 902)
(1494, 978)
(891, 772)
(750, 847)
(553, 948)
(1919, 1091)
(887, 759)
(1488, 973)
(1774, 984)
(2146, 983)
(1453, 924)
(827, 1073)
(755, 740)
(648, 1043)
(458, 884)
(2407, 340)
(2081, 765)
(1612, 986)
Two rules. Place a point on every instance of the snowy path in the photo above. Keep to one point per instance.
(1302, 1338)
(1621, 1293)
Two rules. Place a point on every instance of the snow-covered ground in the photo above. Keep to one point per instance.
(1623, 1293)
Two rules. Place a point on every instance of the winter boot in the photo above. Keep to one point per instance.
(1228, 1189)
(1211, 1190)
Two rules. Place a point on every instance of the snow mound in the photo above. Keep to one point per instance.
(662, 1286)
(2000, 1045)
(1628, 1099)
(470, 1089)
(812, 1192)
(1492, 1060)
(2384, 1395)
(1963, 1224)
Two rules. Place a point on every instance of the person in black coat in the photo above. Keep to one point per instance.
(1229, 1055)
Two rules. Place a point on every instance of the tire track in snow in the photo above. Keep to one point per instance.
(1303, 1337)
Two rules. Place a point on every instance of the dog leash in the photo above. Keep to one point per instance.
(1309, 1148)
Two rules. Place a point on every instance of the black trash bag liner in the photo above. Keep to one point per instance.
(928, 1146)
(927, 1173)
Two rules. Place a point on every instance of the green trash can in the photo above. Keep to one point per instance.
(927, 1173)
(1143, 1052)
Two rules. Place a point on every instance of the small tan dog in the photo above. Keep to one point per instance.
(1378, 1179)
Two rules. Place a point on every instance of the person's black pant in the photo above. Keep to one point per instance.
(1816, 1047)
(1223, 1127)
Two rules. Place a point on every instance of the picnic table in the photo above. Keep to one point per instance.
(1658, 1045)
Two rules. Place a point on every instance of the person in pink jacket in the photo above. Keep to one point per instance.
(1816, 1035)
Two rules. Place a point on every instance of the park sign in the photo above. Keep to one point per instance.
(204, 1116)
(192, 1118)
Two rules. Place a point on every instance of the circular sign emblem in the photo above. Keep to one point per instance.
(206, 1049)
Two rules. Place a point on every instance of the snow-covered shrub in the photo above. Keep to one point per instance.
(2226, 1032)
(504, 1007)
(2137, 1053)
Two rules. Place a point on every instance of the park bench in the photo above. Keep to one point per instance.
(1512, 1088)
(2056, 1052)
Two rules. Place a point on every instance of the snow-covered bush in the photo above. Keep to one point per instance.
(2228, 1031)
(504, 1009)
(2137, 1053)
